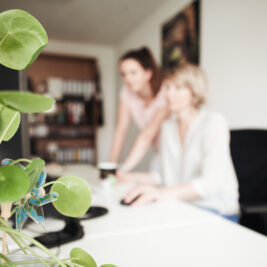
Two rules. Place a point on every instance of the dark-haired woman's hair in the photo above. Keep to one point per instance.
(144, 57)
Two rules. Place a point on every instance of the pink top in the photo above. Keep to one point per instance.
(141, 113)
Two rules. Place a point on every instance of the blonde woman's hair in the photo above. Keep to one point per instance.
(193, 78)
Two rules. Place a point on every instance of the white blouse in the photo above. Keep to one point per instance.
(204, 161)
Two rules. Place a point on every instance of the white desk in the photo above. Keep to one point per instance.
(215, 243)
(169, 234)
(125, 219)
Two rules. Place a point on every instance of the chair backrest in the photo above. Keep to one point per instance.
(249, 155)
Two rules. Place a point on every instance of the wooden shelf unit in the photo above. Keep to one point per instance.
(56, 133)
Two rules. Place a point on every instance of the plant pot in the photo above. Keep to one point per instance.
(25, 257)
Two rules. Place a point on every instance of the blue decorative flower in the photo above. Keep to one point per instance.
(31, 204)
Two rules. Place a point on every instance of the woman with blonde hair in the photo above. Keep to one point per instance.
(195, 162)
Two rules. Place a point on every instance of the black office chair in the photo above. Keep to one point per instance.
(249, 154)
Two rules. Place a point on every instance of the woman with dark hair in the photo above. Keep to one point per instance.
(144, 58)
(141, 96)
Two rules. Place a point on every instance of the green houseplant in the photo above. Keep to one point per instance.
(22, 181)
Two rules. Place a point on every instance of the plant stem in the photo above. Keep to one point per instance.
(33, 261)
(5, 214)
(7, 260)
(36, 243)
(36, 261)
(20, 160)
(18, 243)
(26, 246)
(4, 245)
(53, 182)
(7, 249)
(33, 253)
(12, 236)
(19, 240)
(3, 107)
(8, 126)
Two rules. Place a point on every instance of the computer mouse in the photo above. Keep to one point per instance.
(122, 202)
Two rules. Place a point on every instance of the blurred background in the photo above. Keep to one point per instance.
(93, 34)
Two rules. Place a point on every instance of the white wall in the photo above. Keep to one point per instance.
(105, 56)
(233, 55)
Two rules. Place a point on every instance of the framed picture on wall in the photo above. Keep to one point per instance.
(180, 37)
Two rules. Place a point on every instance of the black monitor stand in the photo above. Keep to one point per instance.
(72, 231)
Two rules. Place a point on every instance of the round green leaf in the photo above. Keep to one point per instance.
(74, 196)
(81, 257)
(22, 38)
(9, 122)
(26, 102)
(14, 183)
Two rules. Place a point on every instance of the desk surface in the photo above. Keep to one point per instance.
(168, 234)
(215, 243)
(125, 219)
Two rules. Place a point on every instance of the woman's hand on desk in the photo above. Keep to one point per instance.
(144, 194)
(148, 193)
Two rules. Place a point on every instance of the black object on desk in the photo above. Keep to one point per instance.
(94, 212)
(122, 202)
(72, 230)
